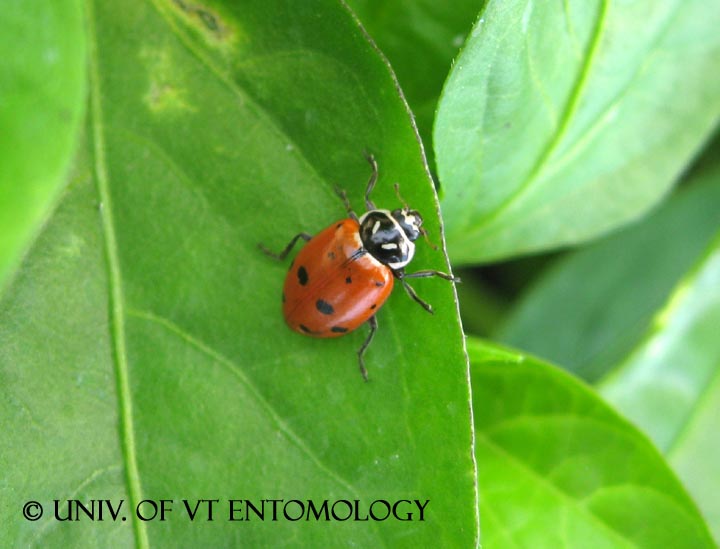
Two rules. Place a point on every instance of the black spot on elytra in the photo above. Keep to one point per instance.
(331, 255)
(348, 280)
(324, 307)
(338, 329)
(373, 305)
(379, 283)
(302, 275)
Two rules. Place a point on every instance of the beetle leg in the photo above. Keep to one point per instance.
(361, 351)
(411, 292)
(343, 196)
(282, 255)
(401, 275)
(371, 182)
(427, 274)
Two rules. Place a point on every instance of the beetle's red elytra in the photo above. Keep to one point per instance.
(344, 274)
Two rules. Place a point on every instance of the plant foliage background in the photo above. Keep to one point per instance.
(148, 147)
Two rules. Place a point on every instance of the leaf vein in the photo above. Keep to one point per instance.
(540, 479)
(115, 291)
(240, 375)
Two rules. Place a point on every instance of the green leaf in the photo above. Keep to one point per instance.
(144, 351)
(563, 120)
(670, 385)
(600, 301)
(42, 90)
(558, 468)
(420, 38)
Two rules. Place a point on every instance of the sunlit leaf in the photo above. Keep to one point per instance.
(42, 89)
(558, 468)
(563, 120)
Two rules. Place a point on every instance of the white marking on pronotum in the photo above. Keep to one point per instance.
(389, 246)
(376, 227)
(365, 257)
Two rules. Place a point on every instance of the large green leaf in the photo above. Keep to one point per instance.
(144, 352)
(670, 386)
(563, 120)
(600, 301)
(559, 468)
(420, 39)
(42, 89)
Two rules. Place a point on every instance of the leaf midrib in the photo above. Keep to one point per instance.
(116, 303)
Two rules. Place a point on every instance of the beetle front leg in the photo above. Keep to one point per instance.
(402, 275)
(411, 292)
(371, 182)
(429, 273)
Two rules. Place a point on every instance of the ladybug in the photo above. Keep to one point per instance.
(344, 274)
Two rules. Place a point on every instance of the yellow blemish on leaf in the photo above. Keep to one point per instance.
(72, 247)
(166, 91)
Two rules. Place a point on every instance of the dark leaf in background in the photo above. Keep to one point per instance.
(420, 38)
(601, 300)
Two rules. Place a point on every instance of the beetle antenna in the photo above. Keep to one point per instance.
(424, 232)
(400, 198)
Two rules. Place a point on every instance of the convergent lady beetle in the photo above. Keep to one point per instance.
(342, 277)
